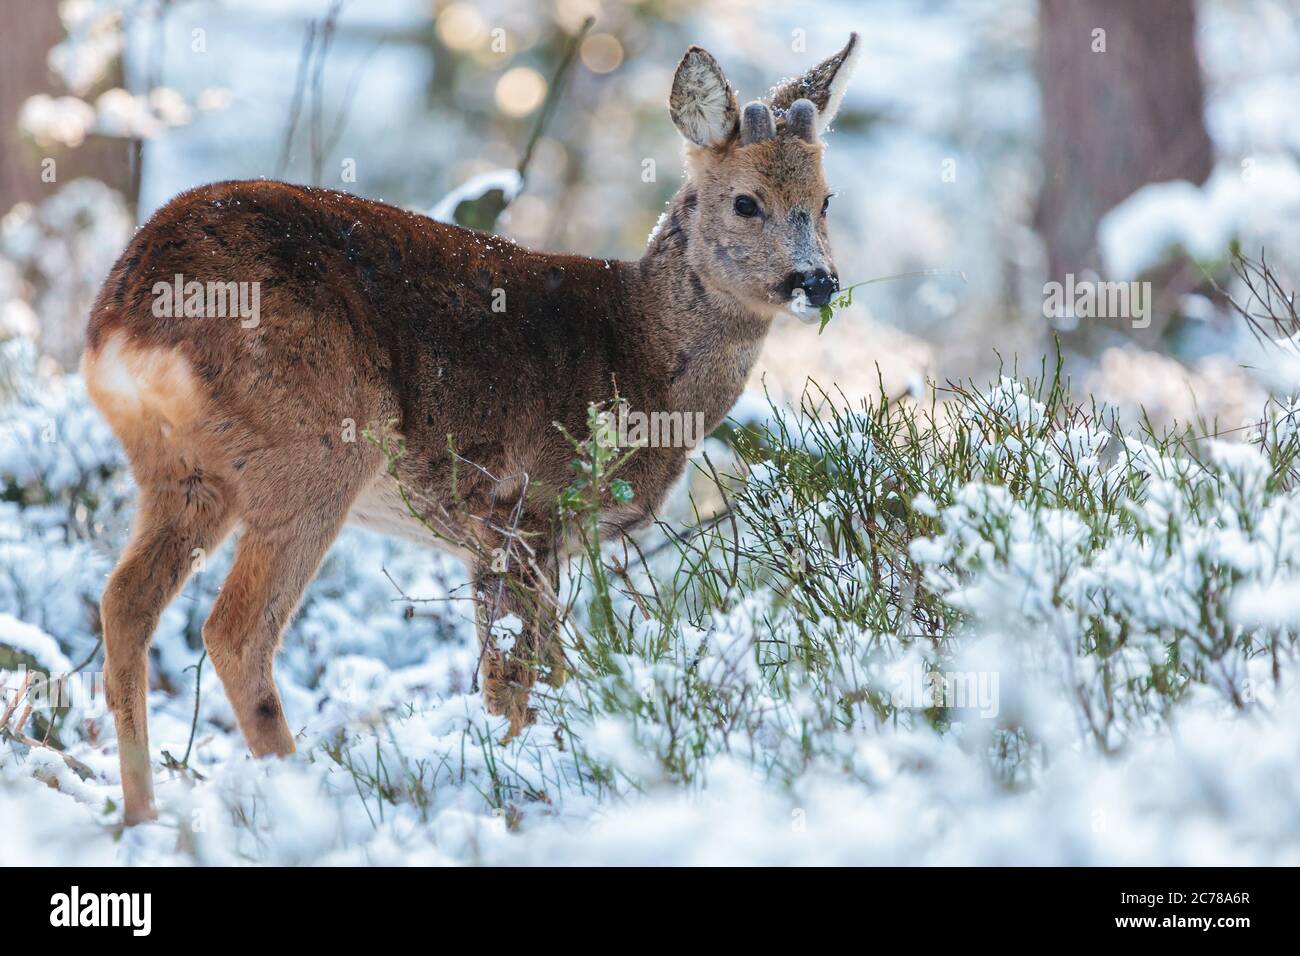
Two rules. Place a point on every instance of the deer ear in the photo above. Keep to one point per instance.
(702, 103)
(824, 84)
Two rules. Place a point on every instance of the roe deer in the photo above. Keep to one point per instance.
(371, 314)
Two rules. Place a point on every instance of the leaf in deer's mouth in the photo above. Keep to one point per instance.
(827, 314)
(844, 298)
(841, 300)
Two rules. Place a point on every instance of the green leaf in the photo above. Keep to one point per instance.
(481, 212)
(620, 491)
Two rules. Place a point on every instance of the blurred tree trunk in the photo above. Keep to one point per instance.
(1121, 108)
(27, 31)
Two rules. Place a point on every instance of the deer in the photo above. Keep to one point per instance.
(367, 313)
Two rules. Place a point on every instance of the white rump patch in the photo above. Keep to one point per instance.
(110, 373)
(126, 381)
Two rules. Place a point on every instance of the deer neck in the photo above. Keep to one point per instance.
(708, 339)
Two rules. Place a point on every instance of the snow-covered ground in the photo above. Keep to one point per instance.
(694, 745)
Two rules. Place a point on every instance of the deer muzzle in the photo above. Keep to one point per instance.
(817, 284)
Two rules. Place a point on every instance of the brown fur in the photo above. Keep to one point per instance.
(373, 315)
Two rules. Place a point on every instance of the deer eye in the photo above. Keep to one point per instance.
(745, 206)
(826, 204)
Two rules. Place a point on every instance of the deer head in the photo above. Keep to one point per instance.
(758, 228)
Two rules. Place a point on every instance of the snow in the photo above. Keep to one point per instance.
(1139, 233)
(32, 641)
(507, 180)
(49, 120)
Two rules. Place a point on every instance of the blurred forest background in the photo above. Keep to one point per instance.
(1013, 141)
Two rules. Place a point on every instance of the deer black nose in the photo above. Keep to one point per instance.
(818, 285)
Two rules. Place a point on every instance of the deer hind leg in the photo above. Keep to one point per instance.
(276, 557)
(177, 523)
(520, 585)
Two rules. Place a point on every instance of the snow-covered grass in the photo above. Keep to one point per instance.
(995, 627)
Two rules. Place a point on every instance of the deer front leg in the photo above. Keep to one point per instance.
(510, 663)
